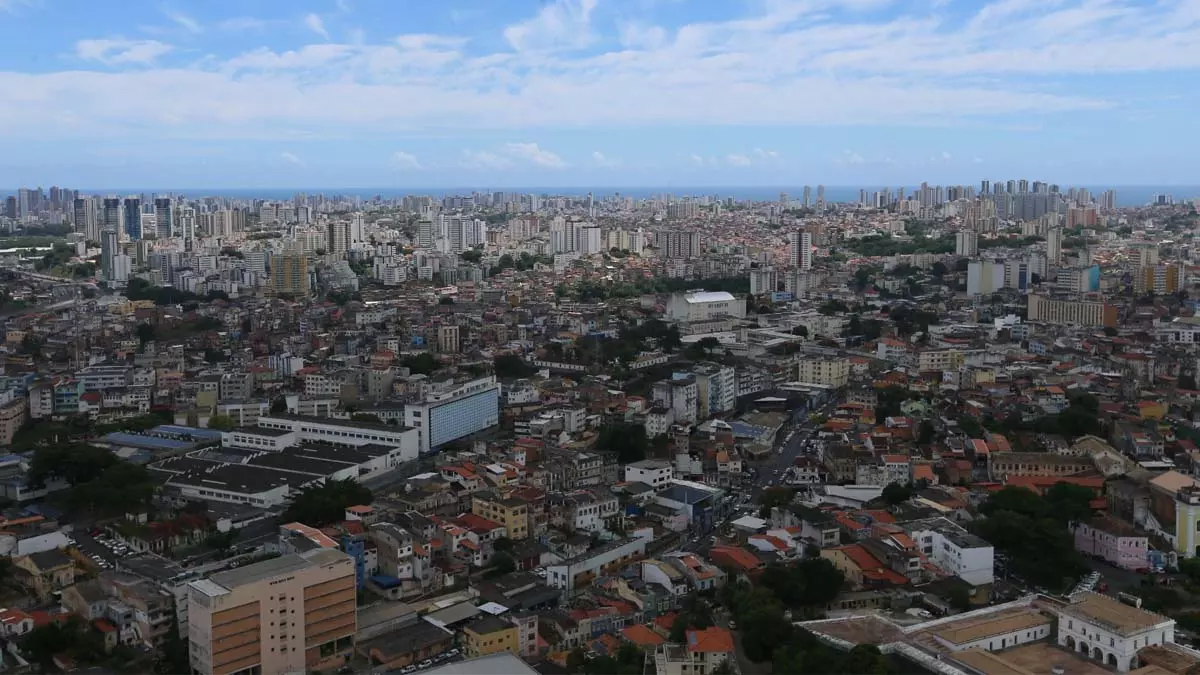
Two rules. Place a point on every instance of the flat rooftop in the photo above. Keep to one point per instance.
(274, 567)
(858, 630)
(996, 623)
(1108, 613)
(1031, 659)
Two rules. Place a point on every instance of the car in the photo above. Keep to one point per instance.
(345, 670)
(425, 664)
(407, 669)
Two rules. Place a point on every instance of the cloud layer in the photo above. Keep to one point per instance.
(576, 64)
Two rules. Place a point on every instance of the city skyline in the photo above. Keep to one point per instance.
(591, 92)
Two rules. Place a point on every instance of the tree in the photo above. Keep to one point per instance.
(627, 440)
(503, 544)
(774, 497)
(895, 493)
(321, 505)
(1110, 331)
(446, 300)
(959, 598)
(420, 364)
(708, 344)
(502, 563)
(511, 366)
(926, 433)
(802, 331)
(938, 269)
(221, 423)
(278, 406)
(145, 333)
(1187, 381)
(471, 255)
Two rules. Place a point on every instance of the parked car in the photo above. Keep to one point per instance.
(425, 664)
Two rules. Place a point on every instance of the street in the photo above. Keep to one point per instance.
(770, 471)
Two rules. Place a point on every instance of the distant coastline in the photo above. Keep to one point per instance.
(1127, 195)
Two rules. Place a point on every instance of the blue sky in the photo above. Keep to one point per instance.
(421, 93)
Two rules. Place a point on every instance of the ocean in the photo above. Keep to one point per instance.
(1127, 196)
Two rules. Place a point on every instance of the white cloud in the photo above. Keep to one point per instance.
(406, 161)
(765, 154)
(316, 25)
(697, 160)
(484, 160)
(945, 155)
(849, 157)
(794, 64)
(291, 159)
(312, 56)
(11, 6)
(559, 24)
(738, 160)
(343, 6)
(184, 21)
(977, 160)
(600, 159)
(242, 23)
(636, 35)
(121, 52)
(535, 155)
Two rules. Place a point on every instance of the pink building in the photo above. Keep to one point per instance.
(1116, 541)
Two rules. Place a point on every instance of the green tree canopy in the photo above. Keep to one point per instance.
(322, 505)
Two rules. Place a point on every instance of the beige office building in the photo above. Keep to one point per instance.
(830, 372)
(291, 614)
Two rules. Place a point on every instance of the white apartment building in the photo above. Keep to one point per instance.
(953, 549)
(717, 389)
(653, 472)
(405, 440)
(1110, 632)
(453, 411)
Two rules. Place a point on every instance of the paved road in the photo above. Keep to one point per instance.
(780, 461)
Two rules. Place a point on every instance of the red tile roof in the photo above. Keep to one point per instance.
(642, 636)
(713, 639)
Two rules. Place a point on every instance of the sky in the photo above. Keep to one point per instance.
(437, 93)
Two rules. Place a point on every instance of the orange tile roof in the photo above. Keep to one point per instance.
(642, 636)
(713, 639)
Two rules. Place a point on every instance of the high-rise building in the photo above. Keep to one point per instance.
(110, 215)
(289, 274)
(680, 244)
(164, 217)
(984, 277)
(1054, 239)
(291, 614)
(339, 238)
(186, 220)
(108, 252)
(966, 243)
(132, 218)
(807, 196)
(1161, 279)
(84, 214)
(763, 280)
(800, 249)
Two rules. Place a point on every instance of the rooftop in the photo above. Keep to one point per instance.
(1112, 615)
(997, 623)
(274, 567)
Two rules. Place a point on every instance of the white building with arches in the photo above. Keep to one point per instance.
(1110, 632)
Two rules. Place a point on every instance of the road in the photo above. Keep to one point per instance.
(793, 447)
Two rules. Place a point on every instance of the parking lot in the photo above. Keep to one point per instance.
(102, 549)
(443, 658)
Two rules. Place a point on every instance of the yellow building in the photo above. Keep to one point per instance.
(1151, 410)
(289, 274)
(491, 635)
(513, 514)
(291, 614)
